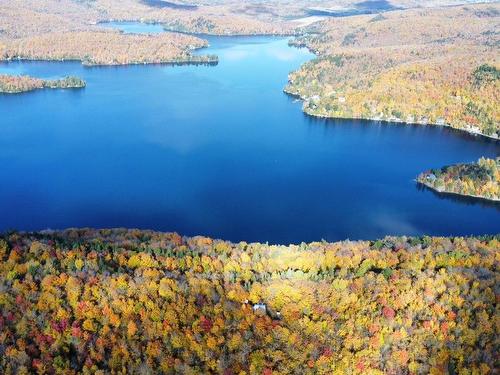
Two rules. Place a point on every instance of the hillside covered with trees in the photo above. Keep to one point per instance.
(24, 18)
(27, 19)
(416, 66)
(480, 179)
(127, 301)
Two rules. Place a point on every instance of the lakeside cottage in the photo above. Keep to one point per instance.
(473, 129)
(423, 120)
(410, 119)
(440, 121)
(431, 177)
(394, 119)
(260, 307)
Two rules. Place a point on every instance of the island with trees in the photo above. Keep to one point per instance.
(129, 301)
(11, 84)
(480, 179)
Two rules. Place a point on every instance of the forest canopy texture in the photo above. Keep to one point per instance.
(126, 301)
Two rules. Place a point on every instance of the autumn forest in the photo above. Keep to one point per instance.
(131, 301)
(367, 130)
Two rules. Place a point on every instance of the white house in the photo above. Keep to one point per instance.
(260, 307)
(440, 121)
(423, 120)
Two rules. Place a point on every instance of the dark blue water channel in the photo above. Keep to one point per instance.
(220, 151)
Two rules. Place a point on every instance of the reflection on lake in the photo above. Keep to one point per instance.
(472, 201)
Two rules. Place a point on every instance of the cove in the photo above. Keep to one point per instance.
(220, 151)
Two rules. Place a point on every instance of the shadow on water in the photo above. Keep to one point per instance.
(168, 4)
(444, 131)
(462, 199)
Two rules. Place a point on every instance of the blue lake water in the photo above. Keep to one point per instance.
(220, 151)
(134, 27)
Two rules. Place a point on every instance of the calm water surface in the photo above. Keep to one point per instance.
(361, 7)
(220, 151)
(134, 27)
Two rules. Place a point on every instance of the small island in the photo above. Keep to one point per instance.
(11, 84)
(479, 180)
(116, 301)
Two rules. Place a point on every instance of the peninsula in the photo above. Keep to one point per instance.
(108, 48)
(480, 179)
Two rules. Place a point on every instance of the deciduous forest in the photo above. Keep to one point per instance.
(127, 301)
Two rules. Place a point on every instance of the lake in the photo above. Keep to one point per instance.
(362, 7)
(134, 27)
(220, 151)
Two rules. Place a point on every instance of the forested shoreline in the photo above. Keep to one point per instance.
(411, 66)
(480, 179)
(108, 48)
(15, 84)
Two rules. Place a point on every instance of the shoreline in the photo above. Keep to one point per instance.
(202, 35)
(298, 96)
(21, 84)
(163, 24)
(106, 231)
(40, 89)
(445, 192)
(211, 61)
